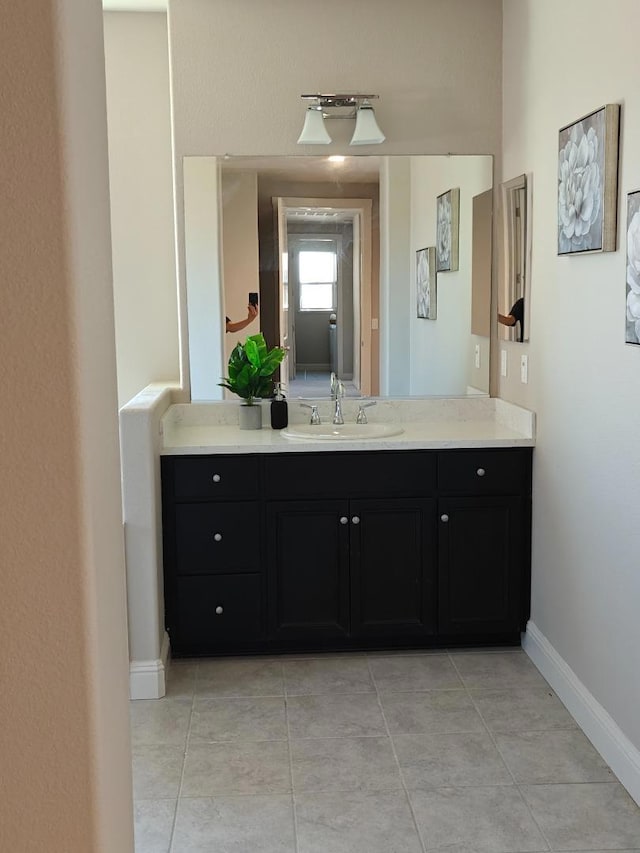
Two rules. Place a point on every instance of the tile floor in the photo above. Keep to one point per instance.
(461, 752)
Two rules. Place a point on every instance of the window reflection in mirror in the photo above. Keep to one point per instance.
(514, 296)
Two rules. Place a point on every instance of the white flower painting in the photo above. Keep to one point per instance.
(633, 268)
(587, 177)
(447, 227)
(426, 282)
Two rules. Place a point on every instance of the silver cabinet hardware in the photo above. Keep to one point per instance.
(216, 478)
(219, 610)
(355, 519)
(444, 517)
(481, 472)
(217, 537)
(344, 519)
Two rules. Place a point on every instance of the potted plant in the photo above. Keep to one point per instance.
(251, 368)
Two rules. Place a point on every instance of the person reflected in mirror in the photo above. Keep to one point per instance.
(515, 315)
(252, 313)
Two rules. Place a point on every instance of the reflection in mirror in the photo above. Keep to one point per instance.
(331, 247)
(513, 306)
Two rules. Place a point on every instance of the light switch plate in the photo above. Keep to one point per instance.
(477, 355)
(374, 324)
(503, 362)
(524, 369)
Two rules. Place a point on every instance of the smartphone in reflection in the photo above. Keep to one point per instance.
(253, 299)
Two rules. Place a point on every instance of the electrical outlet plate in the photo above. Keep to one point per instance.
(524, 369)
(477, 355)
(503, 362)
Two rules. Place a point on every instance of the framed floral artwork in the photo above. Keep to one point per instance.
(633, 268)
(588, 182)
(426, 283)
(447, 229)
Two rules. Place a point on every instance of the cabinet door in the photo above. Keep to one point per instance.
(481, 558)
(308, 544)
(393, 567)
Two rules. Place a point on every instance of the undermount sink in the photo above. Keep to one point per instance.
(341, 432)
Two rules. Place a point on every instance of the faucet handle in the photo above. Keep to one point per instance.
(315, 416)
(362, 415)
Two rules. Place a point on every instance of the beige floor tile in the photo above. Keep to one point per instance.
(160, 721)
(450, 760)
(556, 756)
(181, 678)
(430, 711)
(221, 769)
(335, 675)
(335, 715)
(355, 822)
(526, 709)
(344, 764)
(497, 669)
(247, 719)
(240, 677)
(414, 672)
(157, 771)
(487, 820)
(153, 824)
(261, 824)
(586, 816)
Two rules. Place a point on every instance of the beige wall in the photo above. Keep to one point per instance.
(65, 785)
(141, 184)
(583, 379)
(436, 65)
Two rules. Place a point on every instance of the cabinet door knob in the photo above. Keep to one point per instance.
(444, 517)
(355, 519)
(219, 610)
(344, 519)
(216, 478)
(481, 472)
(217, 537)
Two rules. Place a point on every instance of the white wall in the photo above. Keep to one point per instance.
(140, 166)
(435, 63)
(561, 61)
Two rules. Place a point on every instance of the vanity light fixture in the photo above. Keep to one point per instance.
(314, 132)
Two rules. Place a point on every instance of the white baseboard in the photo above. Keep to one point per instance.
(597, 724)
(147, 678)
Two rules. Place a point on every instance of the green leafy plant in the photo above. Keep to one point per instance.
(251, 367)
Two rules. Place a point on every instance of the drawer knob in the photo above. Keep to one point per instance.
(355, 519)
(344, 519)
(444, 517)
(219, 610)
(481, 472)
(217, 537)
(216, 478)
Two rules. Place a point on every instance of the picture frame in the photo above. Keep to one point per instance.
(632, 302)
(426, 290)
(447, 230)
(588, 154)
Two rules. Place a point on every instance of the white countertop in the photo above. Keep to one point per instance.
(200, 429)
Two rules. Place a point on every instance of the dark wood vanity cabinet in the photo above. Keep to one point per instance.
(346, 549)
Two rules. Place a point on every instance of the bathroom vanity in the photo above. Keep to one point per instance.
(288, 546)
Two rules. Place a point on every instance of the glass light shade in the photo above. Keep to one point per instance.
(367, 131)
(314, 132)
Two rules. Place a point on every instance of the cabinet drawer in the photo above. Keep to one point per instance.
(218, 610)
(483, 472)
(213, 477)
(402, 473)
(216, 538)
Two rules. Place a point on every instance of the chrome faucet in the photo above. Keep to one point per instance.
(337, 393)
(362, 415)
(315, 417)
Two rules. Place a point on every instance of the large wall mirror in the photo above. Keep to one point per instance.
(332, 247)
